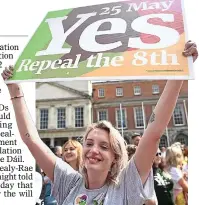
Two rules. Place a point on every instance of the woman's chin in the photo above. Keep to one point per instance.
(69, 160)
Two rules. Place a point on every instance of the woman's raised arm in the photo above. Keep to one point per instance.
(28, 132)
(160, 118)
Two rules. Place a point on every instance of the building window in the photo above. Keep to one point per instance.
(61, 118)
(79, 117)
(121, 118)
(102, 115)
(119, 92)
(155, 89)
(163, 141)
(138, 115)
(43, 119)
(182, 139)
(178, 115)
(101, 93)
(137, 90)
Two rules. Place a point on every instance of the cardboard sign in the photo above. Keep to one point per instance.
(121, 40)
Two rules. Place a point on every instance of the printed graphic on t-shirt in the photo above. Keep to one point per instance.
(161, 181)
(82, 199)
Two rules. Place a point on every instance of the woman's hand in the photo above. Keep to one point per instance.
(191, 50)
(13, 88)
(7, 73)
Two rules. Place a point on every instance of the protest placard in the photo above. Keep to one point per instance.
(120, 40)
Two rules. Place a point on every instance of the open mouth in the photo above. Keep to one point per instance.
(93, 160)
(68, 156)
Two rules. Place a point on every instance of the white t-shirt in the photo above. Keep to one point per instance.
(185, 168)
(69, 188)
(176, 175)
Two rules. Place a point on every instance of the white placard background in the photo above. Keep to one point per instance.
(23, 17)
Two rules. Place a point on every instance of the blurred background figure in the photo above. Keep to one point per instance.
(58, 151)
(174, 161)
(185, 169)
(177, 144)
(163, 152)
(47, 185)
(72, 154)
(163, 183)
(131, 150)
(136, 137)
(39, 195)
(185, 153)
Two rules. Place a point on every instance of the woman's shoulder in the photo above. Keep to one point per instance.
(174, 170)
(63, 168)
(175, 173)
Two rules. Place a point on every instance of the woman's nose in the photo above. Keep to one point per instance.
(94, 149)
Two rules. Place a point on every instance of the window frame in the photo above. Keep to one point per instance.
(135, 117)
(102, 110)
(63, 108)
(40, 110)
(134, 90)
(125, 117)
(116, 92)
(101, 96)
(83, 124)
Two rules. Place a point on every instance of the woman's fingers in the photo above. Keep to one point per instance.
(7, 73)
(4, 76)
(11, 68)
(189, 44)
(191, 50)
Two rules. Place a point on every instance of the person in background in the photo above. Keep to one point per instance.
(72, 154)
(58, 151)
(162, 181)
(182, 147)
(39, 192)
(130, 150)
(185, 169)
(177, 144)
(185, 153)
(136, 137)
(47, 187)
(174, 160)
(163, 152)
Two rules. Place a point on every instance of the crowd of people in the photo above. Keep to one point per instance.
(170, 171)
(100, 172)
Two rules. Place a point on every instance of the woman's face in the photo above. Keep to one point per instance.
(97, 153)
(70, 153)
(157, 159)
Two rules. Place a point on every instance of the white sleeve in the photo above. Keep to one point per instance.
(65, 178)
(133, 183)
(176, 174)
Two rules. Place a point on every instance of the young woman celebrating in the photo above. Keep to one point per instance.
(72, 154)
(106, 177)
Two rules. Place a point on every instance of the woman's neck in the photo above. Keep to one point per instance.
(73, 164)
(95, 180)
